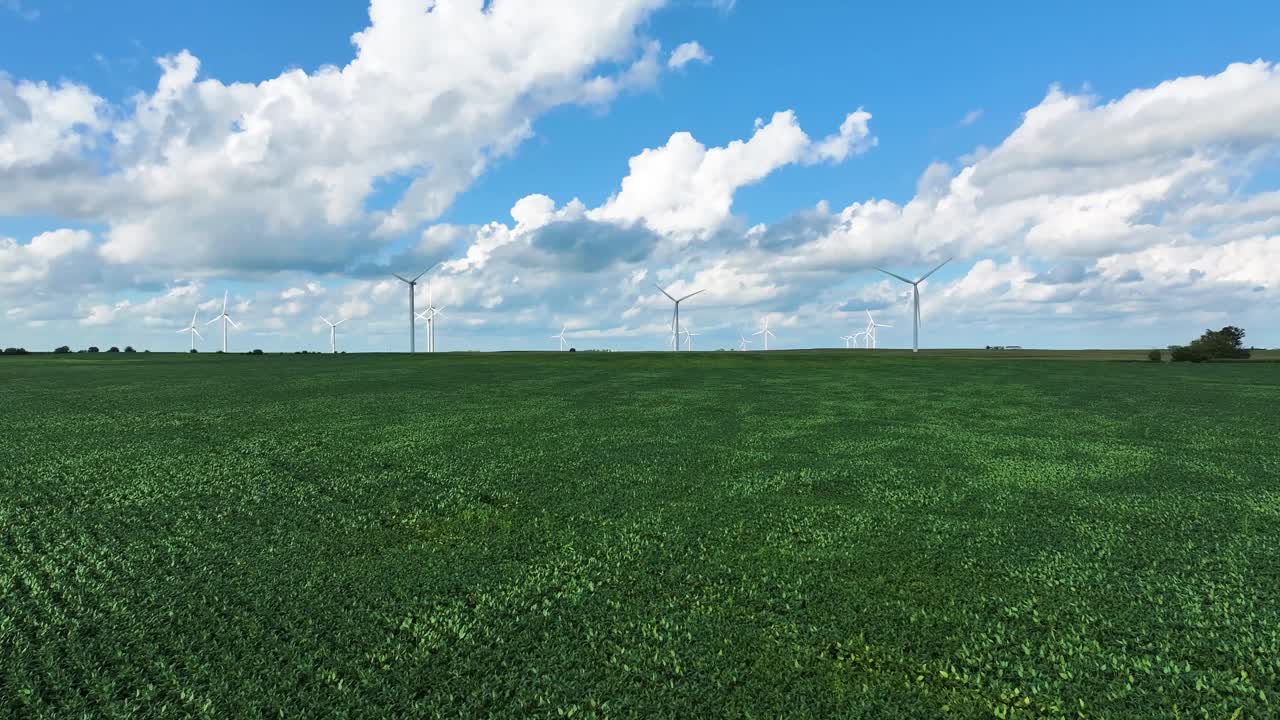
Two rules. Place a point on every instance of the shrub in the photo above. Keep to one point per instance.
(93, 348)
(256, 352)
(62, 349)
(129, 348)
(113, 348)
(16, 351)
(1155, 356)
(193, 350)
(1187, 353)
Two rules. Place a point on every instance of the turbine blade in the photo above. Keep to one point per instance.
(424, 272)
(234, 324)
(686, 297)
(193, 315)
(339, 322)
(664, 292)
(214, 320)
(225, 293)
(926, 275)
(197, 332)
(326, 320)
(886, 272)
(400, 278)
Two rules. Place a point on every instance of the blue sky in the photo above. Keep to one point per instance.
(943, 83)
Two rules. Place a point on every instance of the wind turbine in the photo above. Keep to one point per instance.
(560, 337)
(430, 316)
(675, 318)
(333, 332)
(870, 332)
(915, 297)
(225, 318)
(688, 338)
(411, 284)
(192, 329)
(765, 332)
(745, 342)
(847, 339)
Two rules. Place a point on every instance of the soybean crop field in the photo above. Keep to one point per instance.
(824, 534)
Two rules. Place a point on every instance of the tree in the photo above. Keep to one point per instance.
(1155, 356)
(113, 348)
(62, 349)
(93, 348)
(1224, 344)
(16, 351)
(129, 348)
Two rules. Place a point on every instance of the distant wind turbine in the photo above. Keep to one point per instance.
(675, 318)
(560, 337)
(915, 301)
(870, 332)
(411, 284)
(765, 332)
(429, 315)
(333, 333)
(744, 342)
(847, 339)
(689, 335)
(225, 318)
(192, 329)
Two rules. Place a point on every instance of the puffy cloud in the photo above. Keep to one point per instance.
(683, 187)
(47, 254)
(204, 174)
(686, 53)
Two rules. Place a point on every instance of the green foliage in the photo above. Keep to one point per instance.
(93, 348)
(1187, 353)
(129, 349)
(256, 352)
(114, 349)
(1224, 344)
(638, 535)
(62, 349)
(1155, 356)
(15, 351)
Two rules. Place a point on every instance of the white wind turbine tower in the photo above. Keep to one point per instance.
(192, 329)
(689, 335)
(675, 318)
(870, 332)
(411, 284)
(225, 318)
(333, 332)
(429, 315)
(765, 332)
(915, 301)
(560, 337)
(432, 312)
(847, 339)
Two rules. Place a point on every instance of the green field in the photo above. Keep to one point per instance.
(825, 534)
